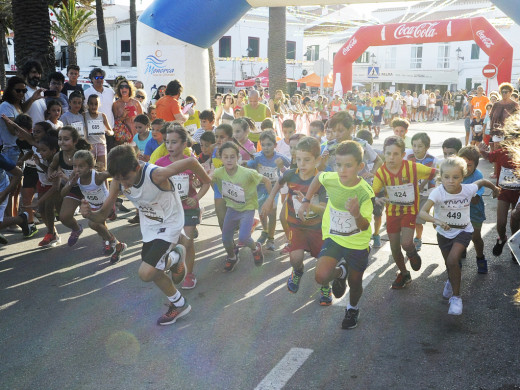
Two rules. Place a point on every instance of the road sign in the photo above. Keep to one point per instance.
(322, 67)
(489, 71)
(373, 72)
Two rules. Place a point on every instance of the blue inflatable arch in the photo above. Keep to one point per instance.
(172, 38)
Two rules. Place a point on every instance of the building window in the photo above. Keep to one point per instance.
(390, 57)
(253, 47)
(97, 49)
(469, 84)
(313, 53)
(125, 46)
(416, 60)
(224, 47)
(475, 51)
(291, 50)
(443, 57)
(363, 58)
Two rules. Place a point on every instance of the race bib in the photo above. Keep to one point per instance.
(182, 185)
(297, 205)
(96, 127)
(233, 192)
(359, 115)
(402, 195)
(376, 112)
(351, 112)
(368, 112)
(96, 197)
(79, 126)
(342, 223)
(456, 218)
(478, 129)
(258, 126)
(270, 172)
(508, 180)
(191, 128)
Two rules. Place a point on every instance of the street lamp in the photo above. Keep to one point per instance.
(459, 57)
(374, 62)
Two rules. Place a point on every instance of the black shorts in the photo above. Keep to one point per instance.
(358, 122)
(191, 217)
(30, 177)
(357, 259)
(422, 108)
(153, 251)
(446, 244)
(458, 107)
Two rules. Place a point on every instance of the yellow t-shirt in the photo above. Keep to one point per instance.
(161, 151)
(338, 224)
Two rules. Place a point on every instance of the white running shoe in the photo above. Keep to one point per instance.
(448, 290)
(455, 306)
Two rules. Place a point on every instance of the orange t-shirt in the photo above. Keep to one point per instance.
(480, 103)
(167, 108)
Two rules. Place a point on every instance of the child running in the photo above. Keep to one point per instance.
(345, 228)
(477, 212)
(451, 203)
(400, 180)
(238, 188)
(268, 163)
(303, 235)
(149, 188)
(94, 190)
(176, 141)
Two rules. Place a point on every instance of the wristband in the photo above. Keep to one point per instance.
(305, 200)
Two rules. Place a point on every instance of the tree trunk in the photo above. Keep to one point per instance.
(103, 46)
(71, 51)
(212, 77)
(276, 50)
(32, 34)
(133, 32)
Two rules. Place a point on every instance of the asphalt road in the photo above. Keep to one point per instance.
(69, 320)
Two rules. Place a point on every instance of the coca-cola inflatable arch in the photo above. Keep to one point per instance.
(477, 29)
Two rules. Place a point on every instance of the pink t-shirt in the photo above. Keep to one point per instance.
(183, 183)
(250, 147)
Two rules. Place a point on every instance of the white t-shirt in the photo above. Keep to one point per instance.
(388, 102)
(423, 99)
(106, 100)
(408, 99)
(454, 209)
(283, 148)
(415, 102)
(38, 108)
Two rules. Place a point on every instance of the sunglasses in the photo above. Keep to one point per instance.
(17, 90)
(124, 86)
(99, 77)
(505, 91)
(139, 97)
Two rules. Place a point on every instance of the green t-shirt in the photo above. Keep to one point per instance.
(257, 114)
(338, 224)
(239, 190)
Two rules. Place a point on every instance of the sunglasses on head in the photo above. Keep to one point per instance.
(99, 77)
(17, 90)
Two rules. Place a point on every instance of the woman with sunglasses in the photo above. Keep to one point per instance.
(501, 110)
(126, 107)
(141, 96)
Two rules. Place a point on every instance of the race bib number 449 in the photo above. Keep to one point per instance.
(456, 218)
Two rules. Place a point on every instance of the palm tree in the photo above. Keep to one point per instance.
(6, 23)
(103, 46)
(72, 23)
(276, 50)
(32, 33)
(133, 32)
(212, 76)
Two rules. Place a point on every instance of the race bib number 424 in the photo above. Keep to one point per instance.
(402, 195)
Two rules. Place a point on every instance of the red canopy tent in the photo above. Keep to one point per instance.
(263, 76)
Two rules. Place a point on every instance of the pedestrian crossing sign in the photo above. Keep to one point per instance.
(373, 72)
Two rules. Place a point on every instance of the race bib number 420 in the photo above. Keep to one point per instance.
(402, 195)
(233, 192)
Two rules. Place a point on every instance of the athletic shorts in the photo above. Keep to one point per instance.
(75, 193)
(446, 244)
(358, 122)
(509, 196)
(478, 138)
(98, 150)
(395, 224)
(42, 188)
(422, 108)
(3, 206)
(377, 123)
(154, 251)
(357, 259)
(191, 217)
(367, 123)
(262, 197)
(30, 177)
(422, 201)
(310, 240)
(216, 192)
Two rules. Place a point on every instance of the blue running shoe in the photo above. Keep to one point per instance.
(293, 283)
(326, 297)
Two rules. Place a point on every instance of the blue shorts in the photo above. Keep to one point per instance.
(262, 197)
(357, 259)
(216, 191)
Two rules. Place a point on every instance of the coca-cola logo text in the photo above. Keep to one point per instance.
(488, 42)
(423, 30)
(350, 45)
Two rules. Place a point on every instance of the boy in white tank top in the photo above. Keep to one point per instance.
(161, 214)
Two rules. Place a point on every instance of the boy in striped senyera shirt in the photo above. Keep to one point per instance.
(400, 180)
